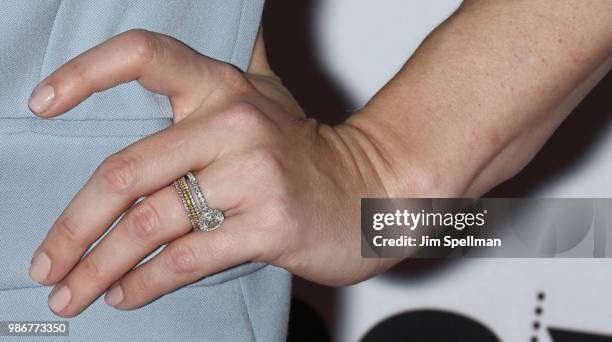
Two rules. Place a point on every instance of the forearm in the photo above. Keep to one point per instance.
(483, 92)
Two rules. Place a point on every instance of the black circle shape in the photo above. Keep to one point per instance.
(305, 324)
(430, 326)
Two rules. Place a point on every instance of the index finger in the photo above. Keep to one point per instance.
(158, 62)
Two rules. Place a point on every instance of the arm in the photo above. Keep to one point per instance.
(483, 93)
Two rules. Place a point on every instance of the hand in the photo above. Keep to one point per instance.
(290, 187)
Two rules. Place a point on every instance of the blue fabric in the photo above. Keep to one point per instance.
(44, 162)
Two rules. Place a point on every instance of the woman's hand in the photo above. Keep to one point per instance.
(290, 187)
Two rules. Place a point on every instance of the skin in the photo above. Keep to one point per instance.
(469, 109)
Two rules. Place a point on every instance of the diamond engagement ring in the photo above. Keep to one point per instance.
(202, 216)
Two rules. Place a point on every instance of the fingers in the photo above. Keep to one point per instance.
(256, 232)
(150, 223)
(159, 62)
(156, 220)
(139, 170)
(184, 261)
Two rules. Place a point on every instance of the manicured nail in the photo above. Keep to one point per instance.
(42, 98)
(114, 296)
(59, 299)
(40, 267)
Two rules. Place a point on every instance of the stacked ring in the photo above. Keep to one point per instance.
(201, 216)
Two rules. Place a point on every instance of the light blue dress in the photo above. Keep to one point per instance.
(44, 162)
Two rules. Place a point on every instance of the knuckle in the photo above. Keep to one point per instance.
(266, 173)
(144, 221)
(265, 164)
(79, 73)
(68, 231)
(143, 44)
(245, 117)
(285, 221)
(234, 79)
(182, 259)
(280, 227)
(118, 172)
(141, 285)
(245, 122)
(271, 175)
(268, 160)
(91, 270)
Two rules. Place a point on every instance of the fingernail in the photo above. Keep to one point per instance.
(40, 267)
(114, 296)
(59, 299)
(42, 98)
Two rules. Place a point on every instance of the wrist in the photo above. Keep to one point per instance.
(359, 164)
(406, 169)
